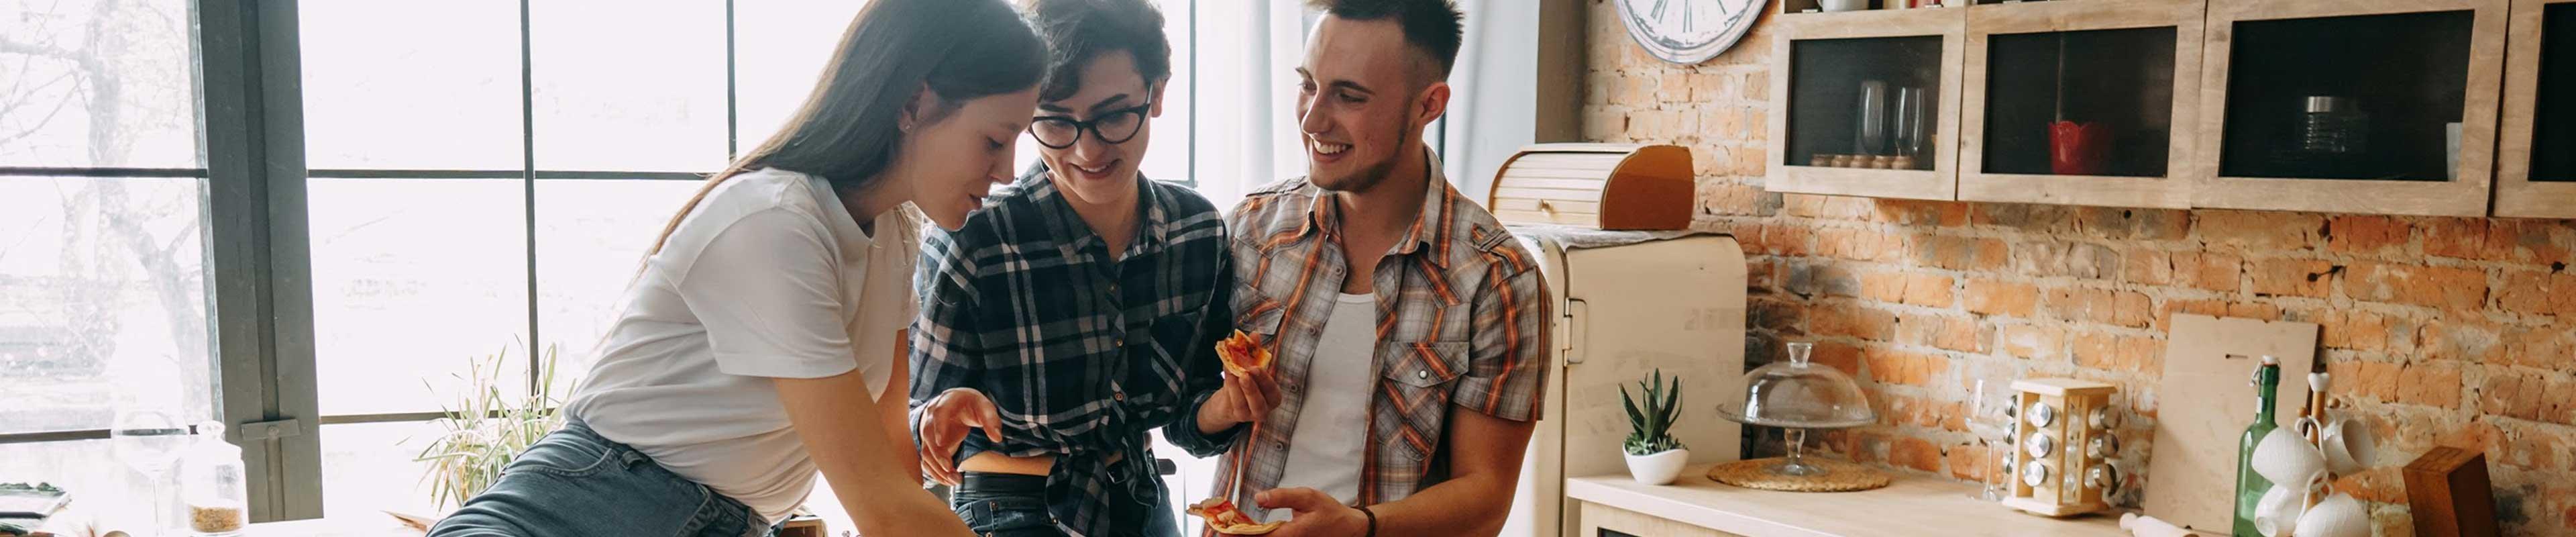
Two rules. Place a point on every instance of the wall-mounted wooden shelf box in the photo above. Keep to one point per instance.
(2536, 148)
(1899, 66)
(2078, 102)
(2344, 105)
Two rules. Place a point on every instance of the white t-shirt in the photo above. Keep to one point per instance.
(768, 276)
(1324, 453)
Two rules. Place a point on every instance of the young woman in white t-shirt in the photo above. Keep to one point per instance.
(753, 346)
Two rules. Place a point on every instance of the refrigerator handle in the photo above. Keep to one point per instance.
(1572, 331)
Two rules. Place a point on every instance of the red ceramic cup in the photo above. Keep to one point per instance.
(2078, 148)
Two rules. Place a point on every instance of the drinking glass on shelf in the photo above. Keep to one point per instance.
(148, 439)
(1869, 134)
(1991, 421)
(1910, 116)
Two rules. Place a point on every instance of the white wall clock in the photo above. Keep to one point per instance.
(1688, 31)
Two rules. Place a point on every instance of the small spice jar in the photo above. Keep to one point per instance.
(212, 484)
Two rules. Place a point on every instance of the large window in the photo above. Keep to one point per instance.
(460, 210)
(102, 295)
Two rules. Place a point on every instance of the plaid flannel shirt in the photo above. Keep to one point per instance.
(1080, 351)
(1462, 322)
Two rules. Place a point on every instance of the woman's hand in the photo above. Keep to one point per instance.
(1245, 398)
(867, 468)
(944, 422)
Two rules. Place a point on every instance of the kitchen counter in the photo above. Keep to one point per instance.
(1911, 505)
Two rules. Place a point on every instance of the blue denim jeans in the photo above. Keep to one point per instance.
(573, 482)
(1004, 505)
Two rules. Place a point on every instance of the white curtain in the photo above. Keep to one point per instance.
(1247, 56)
(1492, 92)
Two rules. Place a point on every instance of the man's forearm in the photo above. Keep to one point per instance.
(1485, 470)
(1466, 505)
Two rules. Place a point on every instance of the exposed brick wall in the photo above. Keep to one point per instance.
(2449, 331)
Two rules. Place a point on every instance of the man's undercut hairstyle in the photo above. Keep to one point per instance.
(1433, 27)
(1078, 31)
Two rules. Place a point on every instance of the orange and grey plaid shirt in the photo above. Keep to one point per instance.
(1462, 317)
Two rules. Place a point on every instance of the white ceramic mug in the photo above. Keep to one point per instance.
(2350, 447)
(2338, 515)
(2284, 457)
(2279, 510)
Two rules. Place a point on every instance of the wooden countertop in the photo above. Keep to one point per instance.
(1911, 505)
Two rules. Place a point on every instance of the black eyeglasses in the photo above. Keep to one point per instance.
(1113, 127)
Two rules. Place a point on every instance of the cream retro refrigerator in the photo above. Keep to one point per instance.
(1627, 305)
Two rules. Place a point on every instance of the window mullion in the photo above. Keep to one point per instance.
(733, 112)
(251, 135)
(528, 186)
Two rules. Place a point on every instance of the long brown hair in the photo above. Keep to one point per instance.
(845, 132)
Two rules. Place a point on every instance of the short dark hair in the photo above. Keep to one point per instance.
(1077, 31)
(1433, 26)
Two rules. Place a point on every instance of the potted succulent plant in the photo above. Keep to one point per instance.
(1654, 456)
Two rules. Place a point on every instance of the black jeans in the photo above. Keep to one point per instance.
(1013, 505)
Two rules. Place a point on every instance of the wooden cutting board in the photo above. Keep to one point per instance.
(2205, 400)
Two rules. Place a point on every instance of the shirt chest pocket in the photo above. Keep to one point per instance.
(1416, 382)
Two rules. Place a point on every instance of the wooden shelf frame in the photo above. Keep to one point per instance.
(2517, 195)
(2466, 194)
(1938, 183)
(2172, 190)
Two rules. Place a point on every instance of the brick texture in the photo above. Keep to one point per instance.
(2445, 331)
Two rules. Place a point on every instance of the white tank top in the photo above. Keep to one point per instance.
(1324, 452)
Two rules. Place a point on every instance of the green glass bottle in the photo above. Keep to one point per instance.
(2250, 486)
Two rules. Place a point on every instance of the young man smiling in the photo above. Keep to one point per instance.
(1410, 328)
(1080, 309)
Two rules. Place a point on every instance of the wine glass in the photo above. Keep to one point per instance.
(1871, 129)
(148, 439)
(1992, 422)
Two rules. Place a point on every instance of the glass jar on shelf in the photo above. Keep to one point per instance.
(2333, 125)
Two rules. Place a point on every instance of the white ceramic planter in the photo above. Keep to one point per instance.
(1658, 468)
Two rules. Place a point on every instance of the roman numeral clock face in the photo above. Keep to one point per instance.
(1688, 31)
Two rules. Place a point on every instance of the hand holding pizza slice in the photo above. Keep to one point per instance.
(1223, 517)
(1251, 386)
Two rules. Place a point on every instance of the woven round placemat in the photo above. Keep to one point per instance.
(1839, 476)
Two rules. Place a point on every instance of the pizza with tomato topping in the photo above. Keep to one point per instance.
(1223, 517)
(1241, 354)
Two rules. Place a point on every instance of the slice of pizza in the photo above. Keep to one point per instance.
(1223, 517)
(1241, 354)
